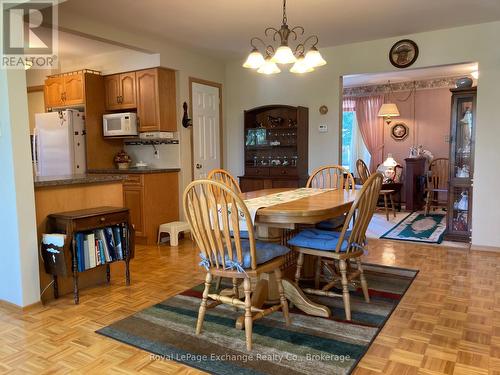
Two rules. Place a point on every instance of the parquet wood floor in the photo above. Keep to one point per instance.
(447, 323)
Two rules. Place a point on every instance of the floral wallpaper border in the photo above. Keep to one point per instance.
(434, 83)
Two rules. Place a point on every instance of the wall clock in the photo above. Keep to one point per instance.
(399, 131)
(403, 53)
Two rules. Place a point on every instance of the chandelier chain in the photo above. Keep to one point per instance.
(285, 20)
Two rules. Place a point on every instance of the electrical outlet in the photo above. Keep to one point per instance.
(323, 128)
(157, 154)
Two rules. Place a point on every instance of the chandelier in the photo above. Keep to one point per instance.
(284, 54)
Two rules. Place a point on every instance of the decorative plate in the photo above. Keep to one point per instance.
(323, 109)
(403, 53)
(399, 131)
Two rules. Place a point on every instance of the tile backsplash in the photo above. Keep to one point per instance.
(168, 155)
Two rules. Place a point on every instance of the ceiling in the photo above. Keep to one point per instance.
(223, 27)
(410, 75)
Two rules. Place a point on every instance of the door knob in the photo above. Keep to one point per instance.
(198, 166)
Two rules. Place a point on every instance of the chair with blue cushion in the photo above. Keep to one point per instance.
(340, 247)
(215, 214)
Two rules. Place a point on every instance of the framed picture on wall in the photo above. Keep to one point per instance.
(403, 53)
(399, 131)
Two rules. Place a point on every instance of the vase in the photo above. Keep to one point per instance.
(463, 83)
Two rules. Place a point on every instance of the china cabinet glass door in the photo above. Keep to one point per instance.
(461, 164)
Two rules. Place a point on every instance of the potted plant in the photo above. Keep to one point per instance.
(122, 160)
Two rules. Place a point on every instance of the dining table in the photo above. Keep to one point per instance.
(278, 223)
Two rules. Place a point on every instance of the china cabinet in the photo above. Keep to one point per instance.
(276, 141)
(463, 122)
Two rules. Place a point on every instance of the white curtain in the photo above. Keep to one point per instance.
(358, 148)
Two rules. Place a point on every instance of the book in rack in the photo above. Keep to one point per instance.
(94, 237)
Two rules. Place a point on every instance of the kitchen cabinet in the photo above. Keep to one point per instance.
(64, 90)
(156, 100)
(120, 91)
(153, 199)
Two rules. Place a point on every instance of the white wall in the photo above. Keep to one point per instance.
(19, 282)
(246, 89)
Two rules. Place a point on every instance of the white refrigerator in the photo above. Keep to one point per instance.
(59, 143)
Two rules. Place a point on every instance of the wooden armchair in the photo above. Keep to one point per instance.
(339, 248)
(437, 184)
(364, 174)
(214, 211)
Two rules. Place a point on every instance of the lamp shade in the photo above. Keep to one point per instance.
(388, 110)
(284, 55)
(301, 66)
(314, 58)
(269, 67)
(254, 60)
(390, 162)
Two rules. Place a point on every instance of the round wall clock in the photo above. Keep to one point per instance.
(399, 131)
(403, 53)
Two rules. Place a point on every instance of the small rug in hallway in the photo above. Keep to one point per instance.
(311, 345)
(417, 227)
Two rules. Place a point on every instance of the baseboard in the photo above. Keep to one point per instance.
(485, 248)
(13, 307)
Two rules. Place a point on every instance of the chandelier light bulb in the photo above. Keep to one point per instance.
(301, 66)
(284, 55)
(269, 67)
(314, 59)
(254, 60)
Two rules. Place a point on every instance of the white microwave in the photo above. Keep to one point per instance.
(119, 124)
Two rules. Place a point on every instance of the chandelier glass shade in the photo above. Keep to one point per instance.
(305, 56)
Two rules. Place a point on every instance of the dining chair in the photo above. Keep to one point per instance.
(215, 214)
(437, 184)
(227, 179)
(364, 174)
(224, 177)
(341, 247)
(331, 177)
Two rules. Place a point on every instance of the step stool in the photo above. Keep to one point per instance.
(173, 229)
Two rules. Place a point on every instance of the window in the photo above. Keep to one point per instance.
(353, 147)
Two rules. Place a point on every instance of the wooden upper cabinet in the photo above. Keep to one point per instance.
(64, 90)
(73, 89)
(156, 103)
(112, 89)
(127, 90)
(120, 91)
(53, 92)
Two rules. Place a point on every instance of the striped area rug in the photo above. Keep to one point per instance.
(311, 345)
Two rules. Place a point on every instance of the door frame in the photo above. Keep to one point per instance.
(221, 121)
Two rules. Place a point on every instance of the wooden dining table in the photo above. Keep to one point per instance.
(278, 223)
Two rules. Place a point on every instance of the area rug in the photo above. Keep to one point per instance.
(417, 227)
(311, 345)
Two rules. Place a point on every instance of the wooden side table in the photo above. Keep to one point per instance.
(72, 222)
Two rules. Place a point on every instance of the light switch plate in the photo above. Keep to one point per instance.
(323, 128)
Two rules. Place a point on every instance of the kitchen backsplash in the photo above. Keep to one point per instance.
(168, 155)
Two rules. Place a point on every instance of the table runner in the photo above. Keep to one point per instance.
(254, 204)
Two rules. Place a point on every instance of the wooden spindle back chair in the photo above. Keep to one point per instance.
(363, 171)
(331, 177)
(214, 212)
(437, 183)
(224, 177)
(349, 245)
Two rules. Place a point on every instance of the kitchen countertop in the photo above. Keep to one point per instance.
(133, 170)
(76, 179)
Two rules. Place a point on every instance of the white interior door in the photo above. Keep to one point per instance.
(206, 129)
